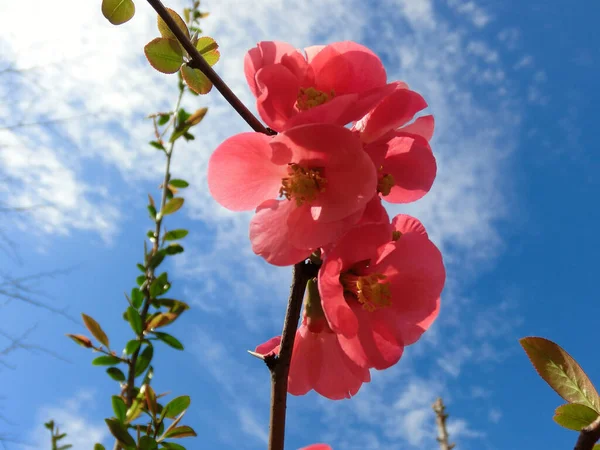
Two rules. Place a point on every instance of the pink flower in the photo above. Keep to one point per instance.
(336, 83)
(322, 172)
(318, 362)
(380, 288)
(406, 165)
(317, 447)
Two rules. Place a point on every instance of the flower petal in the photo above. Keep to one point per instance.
(408, 224)
(347, 67)
(264, 54)
(411, 162)
(269, 234)
(244, 171)
(392, 112)
(269, 347)
(340, 317)
(277, 94)
(422, 126)
(307, 361)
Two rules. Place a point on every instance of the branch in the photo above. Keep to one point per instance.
(441, 417)
(198, 62)
(589, 436)
(280, 365)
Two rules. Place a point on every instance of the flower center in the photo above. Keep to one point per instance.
(385, 183)
(303, 185)
(372, 291)
(310, 97)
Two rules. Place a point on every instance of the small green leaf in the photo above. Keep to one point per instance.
(95, 329)
(164, 54)
(115, 374)
(172, 446)
(574, 416)
(196, 80)
(159, 286)
(173, 235)
(152, 212)
(173, 205)
(141, 267)
(182, 116)
(106, 360)
(166, 32)
(147, 443)
(119, 408)
(176, 406)
(135, 320)
(119, 431)
(134, 410)
(169, 340)
(157, 258)
(137, 298)
(157, 145)
(118, 11)
(99, 447)
(144, 360)
(180, 432)
(81, 340)
(163, 119)
(140, 280)
(561, 372)
(173, 249)
(132, 346)
(207, 47)
(175, 306)
(179, 183)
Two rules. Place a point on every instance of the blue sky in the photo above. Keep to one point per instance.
(513, 87)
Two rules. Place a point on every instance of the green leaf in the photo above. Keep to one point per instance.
(119, 408)
(135, 320)
(180, 432)
(81, 340)
(179, 183)
(157, 258)
(132, 346)
(141, 267)
(176, 406)
(99, 447)
(115, 374)
(169, 340)
(119, 431)
(157, 145)
(561, 372)
(65, 447)
(159, 286)
(147, 443)
(196, 80)
(137, 298)
(182, 116)
(174, 249)
(163, 119)
(574, 416)
(140, 280)
(164, 54)
(175, 306)
(134, 410)
(166, 32)
(173, 205)
(152, 212)
(118, 11)
(95, 329)
(144, 360)
(173, 235)
(172, 446)
(207, 47)
(106, 360)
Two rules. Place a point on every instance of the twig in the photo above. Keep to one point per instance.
(441, 417)
(280, 365)
(198, 62)
(589, 436)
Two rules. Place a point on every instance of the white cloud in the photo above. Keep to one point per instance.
(476, 14)
(495, 415)
(72, 418)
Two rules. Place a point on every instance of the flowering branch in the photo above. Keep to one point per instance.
(279, 365)
(589, 436)
(198, 62)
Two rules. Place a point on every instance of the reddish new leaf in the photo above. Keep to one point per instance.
(561, 372)
(574, 416)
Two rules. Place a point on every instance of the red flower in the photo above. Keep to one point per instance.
(320, 170)
(380, 288)
(336, 83)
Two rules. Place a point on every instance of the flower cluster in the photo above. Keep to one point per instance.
(346, 140)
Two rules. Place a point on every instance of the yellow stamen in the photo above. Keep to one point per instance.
(310, 97)
(303, 185)
(372, 291)
(385, 184)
